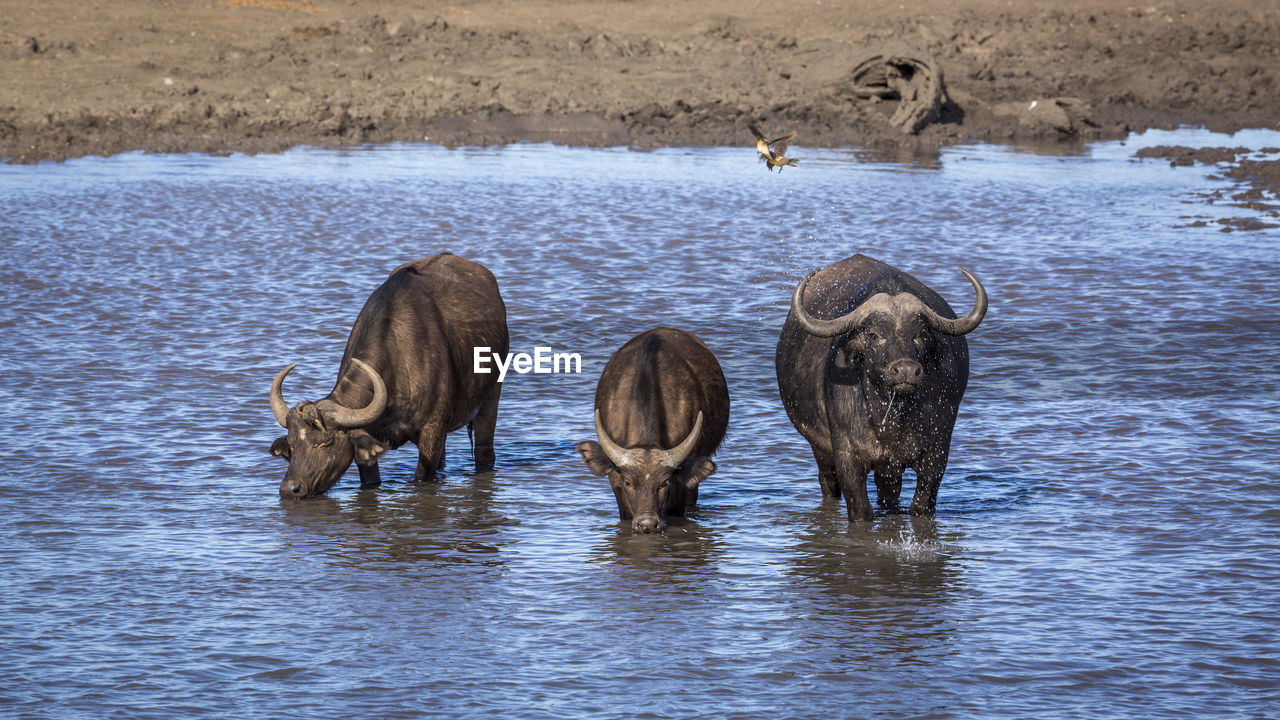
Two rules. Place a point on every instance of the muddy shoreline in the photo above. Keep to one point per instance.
(1255, 178)
(265, 75)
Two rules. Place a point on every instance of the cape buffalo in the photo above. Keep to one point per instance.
(406, 376)
(662, 408)
(877, 387)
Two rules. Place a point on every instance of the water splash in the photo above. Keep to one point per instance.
(893, 395)
(911, 547)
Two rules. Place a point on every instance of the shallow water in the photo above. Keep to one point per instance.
(1107, 534)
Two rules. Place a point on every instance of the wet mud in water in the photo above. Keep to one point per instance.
(1256, 175)
(1106, 530)
(259, 75)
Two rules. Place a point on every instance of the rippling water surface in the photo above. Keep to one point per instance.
(1108, 530)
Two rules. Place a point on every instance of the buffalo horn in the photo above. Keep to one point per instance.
(817, 326)
(677, 454)
(618, 455)
(966, 324)
(278, 408)
(346, 417)
(844, 323)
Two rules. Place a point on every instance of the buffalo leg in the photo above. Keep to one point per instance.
(484, 425)
(889, 487)
(430, 450)
(928, 478)
(827, 475)
(369, 474)
(853, 485)
(852, 474)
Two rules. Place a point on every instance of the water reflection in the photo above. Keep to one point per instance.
(684, 543)
(884, 595)
(420, 522)
(898, 156)
(868, 565)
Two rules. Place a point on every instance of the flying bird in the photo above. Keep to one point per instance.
(772, 152)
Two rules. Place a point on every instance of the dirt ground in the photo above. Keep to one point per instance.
(98, 77)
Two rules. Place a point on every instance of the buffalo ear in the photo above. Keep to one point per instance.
(280, 448)
(595, 458)
(698, 470)
(367, 449)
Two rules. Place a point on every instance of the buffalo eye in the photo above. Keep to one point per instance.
(872, 335)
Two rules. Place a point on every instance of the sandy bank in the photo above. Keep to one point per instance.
(260, 75)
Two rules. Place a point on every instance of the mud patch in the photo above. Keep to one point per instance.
(253, 75)
(1256, 175)
(297, 5)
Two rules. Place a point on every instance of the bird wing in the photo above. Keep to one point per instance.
(780, 145)
(756, 131)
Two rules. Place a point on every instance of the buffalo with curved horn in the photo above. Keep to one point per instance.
(877, 387)
(407, 375)
(662, 408)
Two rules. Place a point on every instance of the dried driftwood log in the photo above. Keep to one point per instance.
(911, 76)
